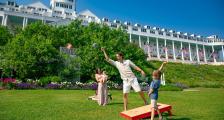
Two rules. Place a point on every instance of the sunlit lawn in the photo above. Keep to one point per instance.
(205, 104)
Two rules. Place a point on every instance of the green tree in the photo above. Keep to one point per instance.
(32, 53)
(114, 40)
(5, 35)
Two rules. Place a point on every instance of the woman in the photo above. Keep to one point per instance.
(102, 92)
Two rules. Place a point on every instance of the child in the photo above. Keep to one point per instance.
(153, 91)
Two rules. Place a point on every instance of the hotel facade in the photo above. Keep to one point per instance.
(157, 43)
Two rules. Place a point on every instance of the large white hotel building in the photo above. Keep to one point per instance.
(158, 43)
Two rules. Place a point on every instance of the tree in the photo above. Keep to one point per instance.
(5, 35)
(32, 53)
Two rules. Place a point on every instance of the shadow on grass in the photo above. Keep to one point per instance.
(177, 119)
(115, 103)
(167, 117)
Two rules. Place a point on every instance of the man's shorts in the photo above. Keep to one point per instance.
(154, 103)
(131, 82)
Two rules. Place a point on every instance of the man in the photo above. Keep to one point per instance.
(128, 77)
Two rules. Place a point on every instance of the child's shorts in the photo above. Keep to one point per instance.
(154, 103)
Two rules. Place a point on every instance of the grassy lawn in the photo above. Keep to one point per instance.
(205, 104)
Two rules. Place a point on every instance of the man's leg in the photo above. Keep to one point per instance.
(125, 98)
(137, 88)
(143, 97)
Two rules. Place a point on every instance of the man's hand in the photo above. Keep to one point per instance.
(102, 49)
(143, 73)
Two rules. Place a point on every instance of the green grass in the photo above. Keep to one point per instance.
(205, 104)
(193, 75)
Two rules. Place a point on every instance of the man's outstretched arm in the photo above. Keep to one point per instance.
(105, 54)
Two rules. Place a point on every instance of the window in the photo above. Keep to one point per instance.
(135, 29)
(174, 35)
(114, 25)
(167, 34)
(160, 33)
(82, 16)
(70, 6)
(125, 27)
(91, 17)
(57, 4)
(29, 7)
(58, 12)
(10, 3)
(143, 30)
(152, 32)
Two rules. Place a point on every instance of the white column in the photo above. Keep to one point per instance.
(130, 38)
(182, 53)
(148, 48)
(24, 22)
(213, 50)
(198, 59)
(190, 52)
(174, 54)
(222, 53)
(157, 48)
(43, 21)
(205, 59)
(166, 49)
(148, 40)
(139, 41)
(3, 19)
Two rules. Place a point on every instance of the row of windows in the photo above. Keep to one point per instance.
(83, 16)
(11, 3)
(159, 32)
(68, 13)
(39, 9)
(57, 12)
(63, 5)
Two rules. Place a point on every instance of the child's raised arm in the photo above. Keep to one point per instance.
(162, 66)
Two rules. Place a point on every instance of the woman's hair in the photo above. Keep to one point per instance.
(98, 71)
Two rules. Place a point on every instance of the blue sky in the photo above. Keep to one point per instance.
(203, 17)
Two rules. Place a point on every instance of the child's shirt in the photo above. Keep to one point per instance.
(155, 84)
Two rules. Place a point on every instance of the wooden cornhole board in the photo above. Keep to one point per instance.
(145, 111)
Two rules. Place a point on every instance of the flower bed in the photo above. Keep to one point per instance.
(36, 84)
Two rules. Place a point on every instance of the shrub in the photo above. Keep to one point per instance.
(47, 80)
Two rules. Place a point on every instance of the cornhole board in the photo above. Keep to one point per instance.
(144, 111)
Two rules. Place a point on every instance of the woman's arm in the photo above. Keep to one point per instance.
(97, 77)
